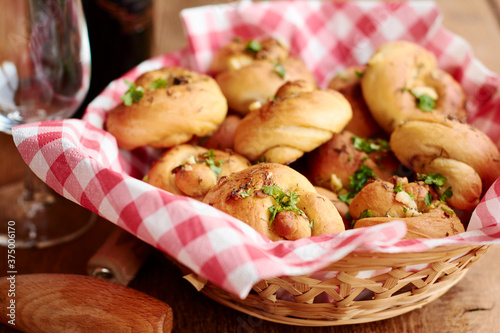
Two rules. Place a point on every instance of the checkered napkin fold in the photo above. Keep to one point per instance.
(81, 161)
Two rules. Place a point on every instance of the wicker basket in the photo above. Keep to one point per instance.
(400, 288)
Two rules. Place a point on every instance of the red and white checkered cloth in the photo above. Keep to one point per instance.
(81, 161)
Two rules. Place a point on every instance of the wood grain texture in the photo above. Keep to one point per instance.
(51, 303)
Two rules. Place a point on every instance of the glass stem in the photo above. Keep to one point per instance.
(36, 194)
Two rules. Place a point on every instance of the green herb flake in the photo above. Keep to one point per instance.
(280, 70)
(133, 94)
(346, 197)
(433, 179)
(245, 194)
(358, 180)
(428, 199)
(158, 83)
(360, 177)
(145, 178)
(446, 195)
(398, 188)
(253, 46)
(424, 102)
(311, 225)
(448, 210)
(359, 74)
(213, 164)
(370, 145)
(366, 213)
(284, 201)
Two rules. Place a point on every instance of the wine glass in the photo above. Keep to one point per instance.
(44, 75)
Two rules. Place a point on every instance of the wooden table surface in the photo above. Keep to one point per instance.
(470, 306)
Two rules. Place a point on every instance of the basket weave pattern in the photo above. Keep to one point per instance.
(400, 288)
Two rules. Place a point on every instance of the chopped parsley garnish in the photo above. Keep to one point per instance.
(133, 94)
(253, 46)
(366, 213)
(311, 225)
(398, 188)
(360, 177)
(346, 197)
(370, 145)
(359, 74)
(245, 194)
(428, 198)
(437, 180)
(280, 70)
(446, 195)
(158, 83)
(358, 180)
(447, 210)
(433, 179)
(284, 201)
(424, 102)
(215, 165)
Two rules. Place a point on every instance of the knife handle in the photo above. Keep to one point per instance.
(119, 258)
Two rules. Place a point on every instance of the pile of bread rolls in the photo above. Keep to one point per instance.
(258, 139)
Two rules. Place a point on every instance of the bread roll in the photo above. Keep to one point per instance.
(184, 105)
(414, 203)
(348, 83)
(298, 120)
(191, 170)
(253, 194)
(402, 80)
(253, 74)
(460, 152)
(333, 163)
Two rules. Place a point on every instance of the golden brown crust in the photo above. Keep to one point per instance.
(298, 120)
(241, 195)
(397, 72)
(460, 152)
(184, 170)
(386, 201)
(348, 83)
(341, 206)
(158, 119)
(237, 54)
(246, 77)
(335, 161)
(223, 138)
(382, 199)
(436, 223)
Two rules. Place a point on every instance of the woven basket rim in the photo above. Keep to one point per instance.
(396, 292)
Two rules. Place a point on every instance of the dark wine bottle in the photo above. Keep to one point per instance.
(120, 34)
